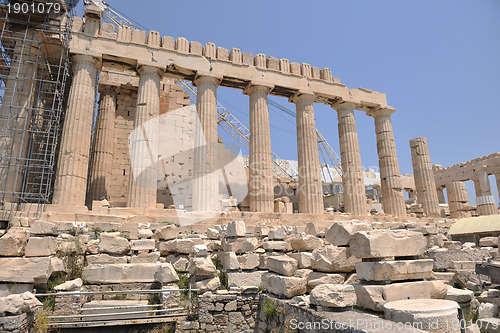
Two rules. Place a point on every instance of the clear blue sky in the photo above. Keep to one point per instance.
(437, 62)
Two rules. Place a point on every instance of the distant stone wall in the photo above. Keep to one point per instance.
(223, 311)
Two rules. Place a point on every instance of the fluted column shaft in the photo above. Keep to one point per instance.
(102, 152)
(352, 169)
(458, 200)
(16, 113)
(440, 194)
(142, 185)
(71, 176)
(205, 178)
(423, 174)
(393, 200)
(310, 189)
(260, 187)
(484, 198)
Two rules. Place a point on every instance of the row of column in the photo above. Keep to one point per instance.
(71, 178)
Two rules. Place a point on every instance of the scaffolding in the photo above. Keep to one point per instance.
(35, 76)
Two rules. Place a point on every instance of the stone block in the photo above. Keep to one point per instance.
(276, 246)
(75, 284)
(249, 261)
(395, 270)
(284, 286)
(375, 296)
(236, 229)
(284, 265)
(459, 295)
(195, 48)
(387, 243)
(331, 258)
(210, 284)
(111, 243)
(13, 242)
(19, 303)
(103, 258)
(166, 273)
(304, 259)
(240, 279)
(200, 250)
(41, 246)
(277, 233)
(185, 246)
(43, 228)
(229, 261)
(120, 273)
(142, 245)
(487, 310)
(167, 233)
(213, 233)
(201, 267)
(340, 232)
(315, 279)
(305, 242)
(26, 270)
(180, 262)
(333, 295)
(145, 258)
(488, 241)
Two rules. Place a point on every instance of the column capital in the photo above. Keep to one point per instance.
(150, 68)
(93, 58)
(343, 105)
(258, 86)
(302, 94)
(202, 77)
(381, 111)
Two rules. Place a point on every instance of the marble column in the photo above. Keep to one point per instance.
(393, 200)
(142, 184)
(484, 199)
(71, 177)
(424, 177)
(352, 169)
(205, 177)
(102, 152)
(310, 189)
(16, 114)
(458, 200)
(440, 194)
(260, 186)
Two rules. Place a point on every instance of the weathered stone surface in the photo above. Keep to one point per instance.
(340, 232)
(229, 260)
(276, 246)
(277, 233)
(166, 273)
(236, 229)
(145, 258)
(395, 270)
(333, 295)
(70, 285)
(111, 243)
(240, 279)
(41, 246)
(185, 246)
(142, 245)
(315, 279)
(26, 270)
(213, 233)
(331, 258)
(19, 303)
(284, 286)
(375, 296)
(201, 267)
(168, 232)
(304, 259)
(120, 273)
(43, 228)
(249, 261)
(210, 284)
(487, 310)
(387, 243)
(444, 259)
(435, 315)
(489, 241)
(13, 242)
(282, 265)
(249, 245)
(180, 262)
(103, 258)
(305, 242)
(459, 295)
(311, 229)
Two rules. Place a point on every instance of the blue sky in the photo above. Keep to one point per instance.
(437, 62)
